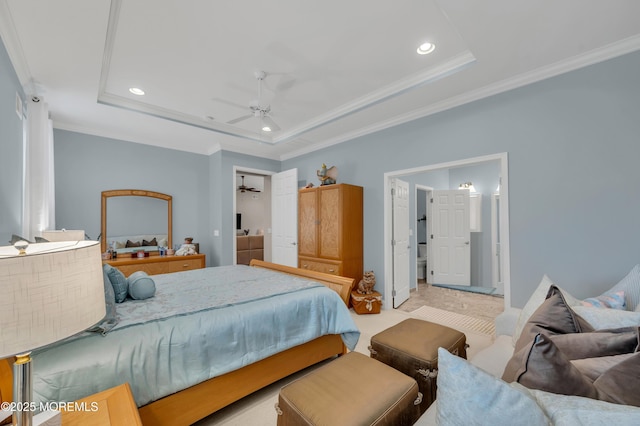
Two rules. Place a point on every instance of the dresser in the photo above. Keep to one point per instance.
(330, 230)
(154, 264)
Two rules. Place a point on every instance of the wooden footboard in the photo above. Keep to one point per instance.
(194, 403)
(201, 400)
(340, 285)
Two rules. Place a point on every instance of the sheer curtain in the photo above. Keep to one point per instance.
(38, 211)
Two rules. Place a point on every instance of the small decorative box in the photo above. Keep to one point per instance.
(366, 303)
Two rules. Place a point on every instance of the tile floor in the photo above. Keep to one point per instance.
(481, 306)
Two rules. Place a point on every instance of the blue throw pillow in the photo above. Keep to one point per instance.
(110, 319)
(141, 286)
(118, 281)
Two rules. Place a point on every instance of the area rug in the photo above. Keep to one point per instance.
(454, 320)
(469, 288)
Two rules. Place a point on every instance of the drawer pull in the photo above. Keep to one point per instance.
(186, 265)
(332, 270)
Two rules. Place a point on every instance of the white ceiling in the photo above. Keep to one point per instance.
(335, 69)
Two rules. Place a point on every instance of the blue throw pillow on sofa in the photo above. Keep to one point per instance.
(141, 286)
(118, 281)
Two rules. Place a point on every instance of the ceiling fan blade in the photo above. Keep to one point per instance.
(269, 122)
(239, 119)
(226, 102)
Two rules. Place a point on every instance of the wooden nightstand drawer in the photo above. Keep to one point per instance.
(328, 267)
(114, 406)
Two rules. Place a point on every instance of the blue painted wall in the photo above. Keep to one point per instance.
(573, 152)
(11, 167)
(86, 165)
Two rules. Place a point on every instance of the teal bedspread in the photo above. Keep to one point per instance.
(199, 325)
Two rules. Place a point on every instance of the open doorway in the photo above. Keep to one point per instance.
(252, 213)
(452, 170)
(423, 229)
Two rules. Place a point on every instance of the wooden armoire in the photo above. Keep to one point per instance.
(330, 230)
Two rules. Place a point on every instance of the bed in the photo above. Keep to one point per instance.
(199, 386)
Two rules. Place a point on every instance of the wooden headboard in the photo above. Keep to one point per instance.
(340, 285)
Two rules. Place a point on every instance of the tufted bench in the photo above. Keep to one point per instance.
(411, 347)
(351, 390)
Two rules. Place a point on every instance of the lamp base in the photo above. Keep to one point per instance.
(22, 390)
(48, 418)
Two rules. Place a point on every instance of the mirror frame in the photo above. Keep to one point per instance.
(137, 193)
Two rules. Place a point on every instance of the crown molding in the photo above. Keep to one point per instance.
(591, 57)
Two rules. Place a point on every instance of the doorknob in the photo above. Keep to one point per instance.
(466, 242)
(294, 243)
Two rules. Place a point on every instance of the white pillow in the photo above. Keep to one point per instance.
(534, 302)
(565, 410)
(467, 395)
(601, 319)
(631, 287)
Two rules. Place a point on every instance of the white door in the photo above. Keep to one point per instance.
(496, 264)
(284, 218)
(451, 238)
(400, 241)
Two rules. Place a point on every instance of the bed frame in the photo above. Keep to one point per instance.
(192, 404)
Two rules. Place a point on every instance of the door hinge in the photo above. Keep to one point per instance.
(431, 272)
(432, 236)
(393, 191)
(393, 242)
(431, 200)
(393, 293)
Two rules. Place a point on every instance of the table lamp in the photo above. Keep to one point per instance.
(48, 292)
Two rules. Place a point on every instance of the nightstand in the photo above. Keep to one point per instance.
(113, 406)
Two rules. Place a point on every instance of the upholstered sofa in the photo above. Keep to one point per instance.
(541, 377)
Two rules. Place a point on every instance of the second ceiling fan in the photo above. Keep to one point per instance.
(258, 110)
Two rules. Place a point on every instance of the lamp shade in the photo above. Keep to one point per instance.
(52, 292)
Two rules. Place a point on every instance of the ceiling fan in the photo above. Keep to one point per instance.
(244, 188)
(258, 110)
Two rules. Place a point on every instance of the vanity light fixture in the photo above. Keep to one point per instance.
(467, 185)
(426, 48)
(136, 91)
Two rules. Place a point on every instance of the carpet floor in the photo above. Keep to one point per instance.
(258, 409)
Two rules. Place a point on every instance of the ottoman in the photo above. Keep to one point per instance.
(411, 347)
(351, 390)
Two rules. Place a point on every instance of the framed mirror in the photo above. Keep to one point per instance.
(135, 219)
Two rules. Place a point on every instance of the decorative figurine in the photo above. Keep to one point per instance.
(187, 248)
(327, 176)
(366, 284)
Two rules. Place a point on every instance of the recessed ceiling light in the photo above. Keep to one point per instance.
(426, 48)
(266, 129)
(136, 91)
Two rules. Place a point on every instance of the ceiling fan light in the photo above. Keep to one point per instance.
(426, 48)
